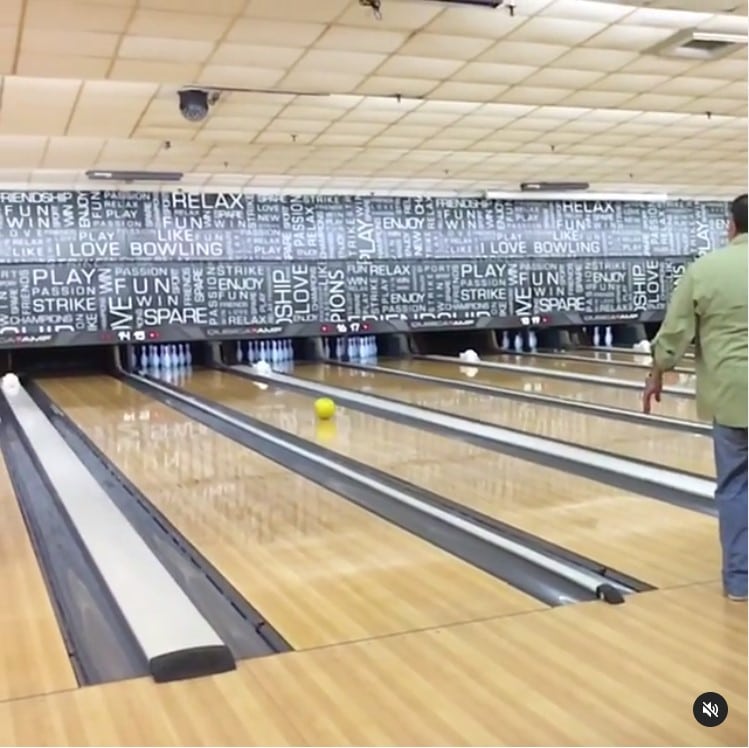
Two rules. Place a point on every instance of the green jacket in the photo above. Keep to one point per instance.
(709, 306)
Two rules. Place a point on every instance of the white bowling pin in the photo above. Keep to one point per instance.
(532, 341)
(596, 337)
(609, 337)
(505, 341)
(518, 343)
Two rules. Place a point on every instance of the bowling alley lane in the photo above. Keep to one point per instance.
(610, 371)
(673, 406)
(622, 357)
(659, 543)
(689, 452)
(318, 568)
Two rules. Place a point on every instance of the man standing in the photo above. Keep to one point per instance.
(709, 305)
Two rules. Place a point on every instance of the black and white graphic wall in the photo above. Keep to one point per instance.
(104, 266)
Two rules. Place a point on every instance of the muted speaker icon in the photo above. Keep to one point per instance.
(710, 709)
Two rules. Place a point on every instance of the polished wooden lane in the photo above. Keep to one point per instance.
(610, 371)
(674, 406)
(320, 569)
(645, 360)
(678, 450)
(32, 651)
(659, 543)
(590, 675)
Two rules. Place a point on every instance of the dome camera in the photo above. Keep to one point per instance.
(194, 104)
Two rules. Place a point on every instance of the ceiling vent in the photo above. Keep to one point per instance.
(699, 45)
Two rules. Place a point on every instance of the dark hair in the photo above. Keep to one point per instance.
(738, 213)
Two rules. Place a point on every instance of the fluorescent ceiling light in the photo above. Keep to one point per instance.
(135, 176)
(578, 196)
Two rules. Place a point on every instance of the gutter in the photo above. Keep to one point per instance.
(234, 619)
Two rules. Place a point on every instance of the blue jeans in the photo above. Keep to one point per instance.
(730, 445)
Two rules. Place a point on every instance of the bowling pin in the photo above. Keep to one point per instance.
(518, 343)
(608, 338)
(505, 341)
(532, 341)
(596, 337)
(238, 352)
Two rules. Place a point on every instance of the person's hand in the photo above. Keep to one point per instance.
(653, 388)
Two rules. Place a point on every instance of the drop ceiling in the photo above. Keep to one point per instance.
(431, 98)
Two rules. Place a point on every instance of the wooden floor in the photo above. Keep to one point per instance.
(681, 451)
(399, 643)
(33, 658)
(674, 406)
(660, 543)
(319, 568)
(591, 675)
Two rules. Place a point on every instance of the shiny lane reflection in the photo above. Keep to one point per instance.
(660, 543)
(681, 451)
(610, 371)
(673, 406)
(321, 569)
(644, 359)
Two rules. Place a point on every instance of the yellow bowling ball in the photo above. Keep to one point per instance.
(325, 408)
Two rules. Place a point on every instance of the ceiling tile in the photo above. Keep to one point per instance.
(359, 39)
(543, 30)
(319, 11)
(595, 59)
(281, 33)
(443, 46)
(493, 73)
(155, 23)
(335, 61)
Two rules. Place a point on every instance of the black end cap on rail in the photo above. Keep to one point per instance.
(610, 594)
(192, 663)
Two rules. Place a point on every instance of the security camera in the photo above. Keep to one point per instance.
(194, 104)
